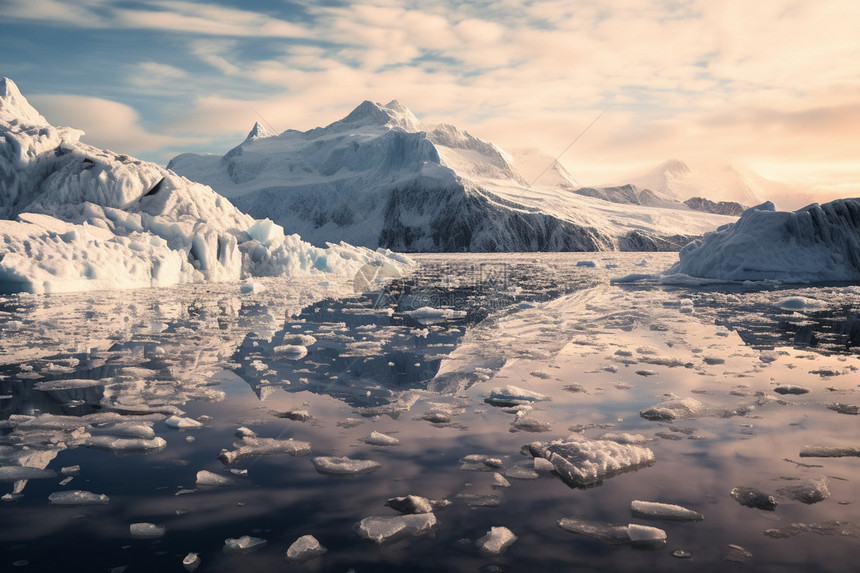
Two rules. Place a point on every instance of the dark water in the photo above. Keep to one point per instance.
(601, 354)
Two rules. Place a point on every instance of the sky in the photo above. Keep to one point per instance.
(772, 85)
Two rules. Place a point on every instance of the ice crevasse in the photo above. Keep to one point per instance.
(74, 217)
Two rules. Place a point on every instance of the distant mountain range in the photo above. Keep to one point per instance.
(380, 178)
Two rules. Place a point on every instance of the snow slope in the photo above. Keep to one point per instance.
(819, 243)
(74, 217)
(379, 177)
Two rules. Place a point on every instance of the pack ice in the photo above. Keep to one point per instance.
(379, 177)
(581, 462)
(74, 217)
(817, 243)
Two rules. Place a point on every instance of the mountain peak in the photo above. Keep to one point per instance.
(14, 107)
(259, 131)
(674, 166)
(392, 114)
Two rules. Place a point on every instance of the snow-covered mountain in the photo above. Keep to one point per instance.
(74, 217)
(380, 178)
(718, 183)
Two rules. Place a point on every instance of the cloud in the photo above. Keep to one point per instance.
(107, 124)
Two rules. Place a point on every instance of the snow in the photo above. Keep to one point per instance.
(344, 466)
(74, 217)
(818, 243)
(667, 511)
(379, 177)
(582, 462)
(305, 547)
(382, 529)
(496, 541)
(78, 497)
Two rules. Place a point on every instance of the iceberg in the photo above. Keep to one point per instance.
(818, 243)
(305, 547)
(496, 541)
(74, 217)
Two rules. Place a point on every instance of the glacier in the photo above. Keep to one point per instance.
(818, 243)
(74, 217)
(381, 178)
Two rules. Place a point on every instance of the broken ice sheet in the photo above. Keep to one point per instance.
(752, 497)
(205, 478)
(380, 439)
(513, 396)
(146, 530)
(665, 511)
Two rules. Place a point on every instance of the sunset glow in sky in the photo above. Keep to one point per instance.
(770, 84)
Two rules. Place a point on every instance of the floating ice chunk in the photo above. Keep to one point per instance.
(841, 408)
(243, 432)
(125, 444)
(205, 478)
(513, 396)
(790, 389)
(522, 470)
(16, 473)
(624, 438)
(737, 554)
(382, 529)
(528, 423)
(295, 415)
(835, 527)
(344, 466)
(299, 339)
(9, 497)
(78, 497)
(646, 535)
(250, 447)
(667, 511)
(243, 544)
(809, 491)
(829, 452)
(799, 303)
(584, 462)
(640, 535)
(496, 541)
(305, 547)
(148, 530)
(543, 465)
(499, 481)
(72, 384)
(752, 497)
(251, 287)
(191, 562)
(586, 264)
(379, 439)
(673, 409)
(410, 504)
(180, 423)
(291, 351)
(430, 315)
(66, 481)
(473, 500)
(241, 473)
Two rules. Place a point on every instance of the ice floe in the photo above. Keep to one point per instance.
(665, 511)
(191, 562)
(673, 409)
(146, 530)
(752, 497)
(583, 462)
(243, 544)
(344, 466)
(496, 541)
(205, 478)
(180, 423)
(808, 491)
(380, 439)
(511, 395)
(252, 446)
(639, 535)
(78, 497)
(382, 529)
(304, 548)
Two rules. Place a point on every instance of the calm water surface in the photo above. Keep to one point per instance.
(116, 365)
